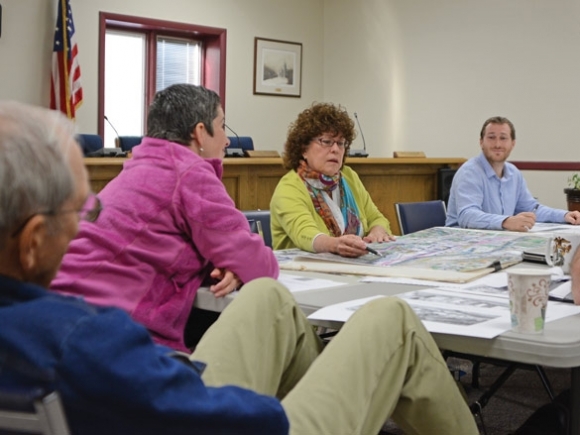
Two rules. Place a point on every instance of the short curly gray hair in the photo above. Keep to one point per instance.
(35, 173)
(176, 110)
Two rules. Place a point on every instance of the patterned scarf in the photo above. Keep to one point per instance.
(317, 183)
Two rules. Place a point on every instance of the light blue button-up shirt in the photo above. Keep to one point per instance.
(480, 199)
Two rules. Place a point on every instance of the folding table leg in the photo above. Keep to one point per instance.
(575, 402)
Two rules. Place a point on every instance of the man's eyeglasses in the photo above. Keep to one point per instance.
(328, 143)
(88, 212)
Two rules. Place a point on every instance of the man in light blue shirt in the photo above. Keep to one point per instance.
(489, 193)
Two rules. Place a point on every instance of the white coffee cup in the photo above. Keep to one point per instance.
(528, 292)
(560, 250)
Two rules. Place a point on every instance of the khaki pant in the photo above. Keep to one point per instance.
(383, 363)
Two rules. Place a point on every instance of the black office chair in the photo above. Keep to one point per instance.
(32, 411)
(239, 146)
(126, 143)
(90, 143)
(244, 142)
(417, 216)
(199, 319)
(259, 221)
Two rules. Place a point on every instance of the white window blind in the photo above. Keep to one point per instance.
(178, 61)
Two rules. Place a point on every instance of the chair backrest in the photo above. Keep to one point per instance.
(417, 216)
(32, 411)
(444, 181)
(126, 143)
(245, 142)
(90, 143)
(259, 221)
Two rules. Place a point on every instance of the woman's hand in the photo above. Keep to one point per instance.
(228, 282)
(378, 234)
(347, 246)
(350, 245)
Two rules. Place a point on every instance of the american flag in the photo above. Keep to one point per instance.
(66, 92)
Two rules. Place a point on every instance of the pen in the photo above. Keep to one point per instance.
(373, 251)
(533, 211)
(558, 299)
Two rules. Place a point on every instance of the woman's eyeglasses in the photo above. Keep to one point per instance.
(88, 212)
(328, 143)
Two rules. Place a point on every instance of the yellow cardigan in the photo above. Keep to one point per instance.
(295, 222)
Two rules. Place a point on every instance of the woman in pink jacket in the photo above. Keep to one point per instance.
(167, 223)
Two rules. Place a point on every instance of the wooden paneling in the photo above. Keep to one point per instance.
(251, 181)
(102, 170)
(390, 180)
(256, 179)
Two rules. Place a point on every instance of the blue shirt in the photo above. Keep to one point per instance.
(480, 199)
(111, 377)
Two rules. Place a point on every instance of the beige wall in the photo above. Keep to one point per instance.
(424, 75)
(25, 50)
(27, 35)
(421, 74)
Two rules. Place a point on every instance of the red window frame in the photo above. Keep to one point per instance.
(213, 74)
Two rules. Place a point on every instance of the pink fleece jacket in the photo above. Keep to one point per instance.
(167, 220)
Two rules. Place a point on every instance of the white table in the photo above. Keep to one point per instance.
(559, 346)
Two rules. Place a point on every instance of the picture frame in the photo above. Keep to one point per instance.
(277, 67)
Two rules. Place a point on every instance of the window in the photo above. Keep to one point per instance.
(178, 61)
(140, 56)
(124, 85)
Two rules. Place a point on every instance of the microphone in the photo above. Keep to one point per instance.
(359, 152)
(114, 152)
(118, 141)
(234, 152)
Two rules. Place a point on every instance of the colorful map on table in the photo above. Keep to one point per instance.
(436, 249)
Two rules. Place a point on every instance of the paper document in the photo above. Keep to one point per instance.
(544, 226)
(440, 311)
(497, 280)
(562, 291)
(297, 283)
(451, 312)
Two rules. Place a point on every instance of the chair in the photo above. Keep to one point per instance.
(90, 143)
(417, 216)
(32, 411)
(126, 143)
(244, 142)
(259, 221)
(444, 181)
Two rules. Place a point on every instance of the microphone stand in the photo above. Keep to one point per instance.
(117, 151)
(359, 152)
(118, 141)
(234, 152)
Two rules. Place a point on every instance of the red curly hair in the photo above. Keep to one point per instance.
(318, 119)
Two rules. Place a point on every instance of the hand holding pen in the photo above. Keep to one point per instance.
(374, 251)
(522, 222)
(529, 227)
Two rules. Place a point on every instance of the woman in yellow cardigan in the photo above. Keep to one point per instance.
(321, 205)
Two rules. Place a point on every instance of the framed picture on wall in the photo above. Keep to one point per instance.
(277, 67)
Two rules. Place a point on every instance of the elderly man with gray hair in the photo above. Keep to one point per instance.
(113, 379)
